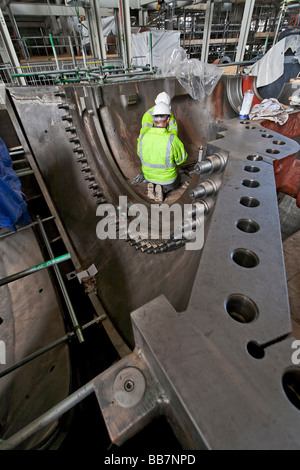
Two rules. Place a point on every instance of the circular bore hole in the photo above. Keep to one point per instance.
(1, 321)
(255, 350)
(254, 158)
(273, 151)
(252, 169)
(291, 386)
(41, 290)
(241, 308)
(267, 136)
(278, 142)
(251, 183)
(247, 225)
(249, 201)
(245, 258)
(129, 385)
(244, 122)
(250, 127)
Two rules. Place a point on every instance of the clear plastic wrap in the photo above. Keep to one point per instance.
(196, 77)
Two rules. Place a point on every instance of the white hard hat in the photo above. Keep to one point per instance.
(161, 109)
(163, 98)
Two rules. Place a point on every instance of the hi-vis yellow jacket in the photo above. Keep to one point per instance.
(147, 123)
(160, 152)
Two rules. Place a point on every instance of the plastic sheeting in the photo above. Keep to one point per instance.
(13, 209)
(197, 78)
(271, 66)
(142, 47)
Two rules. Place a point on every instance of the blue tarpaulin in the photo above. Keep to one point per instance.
(13, 208)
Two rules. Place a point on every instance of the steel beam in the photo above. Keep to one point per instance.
(7, 50)
(207, 30)
(245, 28)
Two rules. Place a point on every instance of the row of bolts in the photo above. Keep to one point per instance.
(82, 159)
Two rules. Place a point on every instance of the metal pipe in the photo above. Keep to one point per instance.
(47, 348)
(25, 227)
(62, 285)
(54, 51)
(34, 269)
(17, 152)
(23, 160)
(48, 417)
(72, 51)
(24, 172)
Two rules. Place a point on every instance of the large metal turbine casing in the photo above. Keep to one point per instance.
(103, 123)
(211, 328)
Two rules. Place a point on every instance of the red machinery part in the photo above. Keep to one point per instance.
(247, 84)
(287, 176)
(287, 170)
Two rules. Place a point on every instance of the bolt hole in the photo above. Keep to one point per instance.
(291, 386)
(251, 183)
(129, 385)
(273, 151)
(255, 350)
(241, 308)
(245, 258)
(41, 290)
(250, 127)
(278, 142)
(247, 225)
(244, 122)
(251, 169)
(52, 368)
(267, 136)
(254, 158)
(249, 201)
(1, 321)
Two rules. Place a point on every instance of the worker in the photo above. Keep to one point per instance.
(147, 120)
(160, 153)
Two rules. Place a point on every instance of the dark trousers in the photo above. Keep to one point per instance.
(169, 187)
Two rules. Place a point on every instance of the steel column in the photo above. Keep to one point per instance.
(245, 27)
(207, 30)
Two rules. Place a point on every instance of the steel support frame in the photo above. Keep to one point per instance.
(245, 28)
(96, 30)
(125, 31)
(8, 52)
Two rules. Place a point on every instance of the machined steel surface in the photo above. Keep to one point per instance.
(210, 328)
(225, 362)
